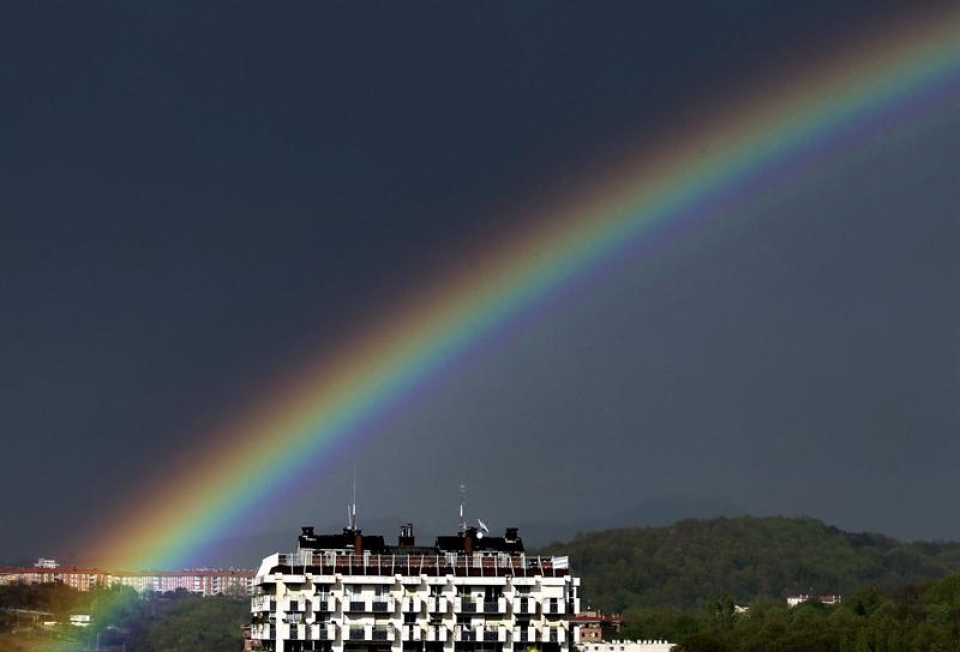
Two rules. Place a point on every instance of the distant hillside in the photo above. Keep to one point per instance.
(683, 564)
(659, 511)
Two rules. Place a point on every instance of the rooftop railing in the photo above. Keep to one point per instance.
(432, 565)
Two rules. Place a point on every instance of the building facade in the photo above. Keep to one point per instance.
(206, 582)
(47, 571)
(628, 646)
(595, 626)
(352, 592)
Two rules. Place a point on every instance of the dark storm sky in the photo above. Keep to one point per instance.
(194, 196)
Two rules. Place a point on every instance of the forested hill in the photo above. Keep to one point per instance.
(683, 564)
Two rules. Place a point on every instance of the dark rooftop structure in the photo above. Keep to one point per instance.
(471, 552)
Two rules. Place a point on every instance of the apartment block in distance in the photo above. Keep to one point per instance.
(205, 582)
(470, 592)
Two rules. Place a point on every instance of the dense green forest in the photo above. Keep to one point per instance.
(748, 558)
(911, 619)
(178, 622)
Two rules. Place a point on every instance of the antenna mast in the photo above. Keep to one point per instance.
(352, 512)
(463, 501)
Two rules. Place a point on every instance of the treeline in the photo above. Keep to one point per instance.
(748, 558)
(911, 619)
(176, 622)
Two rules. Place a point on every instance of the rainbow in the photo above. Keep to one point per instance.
(893, 77)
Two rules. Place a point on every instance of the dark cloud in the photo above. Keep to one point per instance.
(193, 197)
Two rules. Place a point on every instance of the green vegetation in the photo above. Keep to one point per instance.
(680, 565)
(912, 619)
(661, 579)
(178, 622)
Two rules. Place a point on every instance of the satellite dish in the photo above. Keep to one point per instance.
(483, 526)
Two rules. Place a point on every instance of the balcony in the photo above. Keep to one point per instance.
(437, 634)
(358, 605)
(265, 580)
(465, 606)
(318, 632)
(292, 631)
(325, 605)
(524, 635)
(493, 635)
(497, 606)
(437, 605)
(554, 635)
(263, 603)
(411, 633)
(554, 608)
(465, 634)
(368, 633)
(381, 606)
(410, 605)
(261, 631)
(526, 606)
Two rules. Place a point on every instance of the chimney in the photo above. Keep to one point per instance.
(357, 542)
(406, 535)
(511, 534)
(468, 538)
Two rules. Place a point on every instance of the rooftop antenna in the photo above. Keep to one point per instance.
(352, 510)
(463, 500)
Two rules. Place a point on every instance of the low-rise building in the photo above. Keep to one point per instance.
(628, 646)
(206, 582)
(595, 626)
(794, 600)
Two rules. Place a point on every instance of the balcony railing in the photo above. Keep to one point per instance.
(465, 605)
(465, 634)
(494, 635)
(408, 604)
(526, 606)
(437, 633)
(368, 633)
(293, 632)
(261, 631)
(497, 606)
(263, 603)
(323, 633)
(437, 605)
(411, 633)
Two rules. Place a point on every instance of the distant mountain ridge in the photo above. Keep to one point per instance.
(684, 564)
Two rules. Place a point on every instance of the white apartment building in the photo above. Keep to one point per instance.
(203, 582)
(352, 592)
